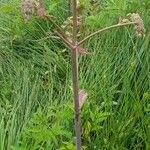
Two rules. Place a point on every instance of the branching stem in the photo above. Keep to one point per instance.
(59, 29)
(104, 29)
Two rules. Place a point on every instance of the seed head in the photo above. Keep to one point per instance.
(139, 25)
(123, 20)
(27, 8)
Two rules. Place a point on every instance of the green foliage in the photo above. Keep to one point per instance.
(36, 109)
(47, 130)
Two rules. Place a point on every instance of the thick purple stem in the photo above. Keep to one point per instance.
(74, 61)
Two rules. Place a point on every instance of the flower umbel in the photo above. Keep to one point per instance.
(139, 25)
(27, 8)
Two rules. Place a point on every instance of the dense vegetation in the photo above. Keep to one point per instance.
(36, 109)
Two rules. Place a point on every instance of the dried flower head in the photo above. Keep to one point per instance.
(28, 7)
(123, 20)
(40, 9)
(68, 26)
(69, 22)
(139, 25)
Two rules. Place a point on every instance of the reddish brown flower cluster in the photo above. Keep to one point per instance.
(68, 26)
(137, 21)
(28, 7)
(139, 25)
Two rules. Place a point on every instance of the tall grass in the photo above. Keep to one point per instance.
(36, 109)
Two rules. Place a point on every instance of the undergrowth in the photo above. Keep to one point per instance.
(36, 110)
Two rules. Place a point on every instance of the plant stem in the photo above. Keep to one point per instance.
(72, 44)
(65, 40)
(74, 61)
(104, 29)
(59, 29)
